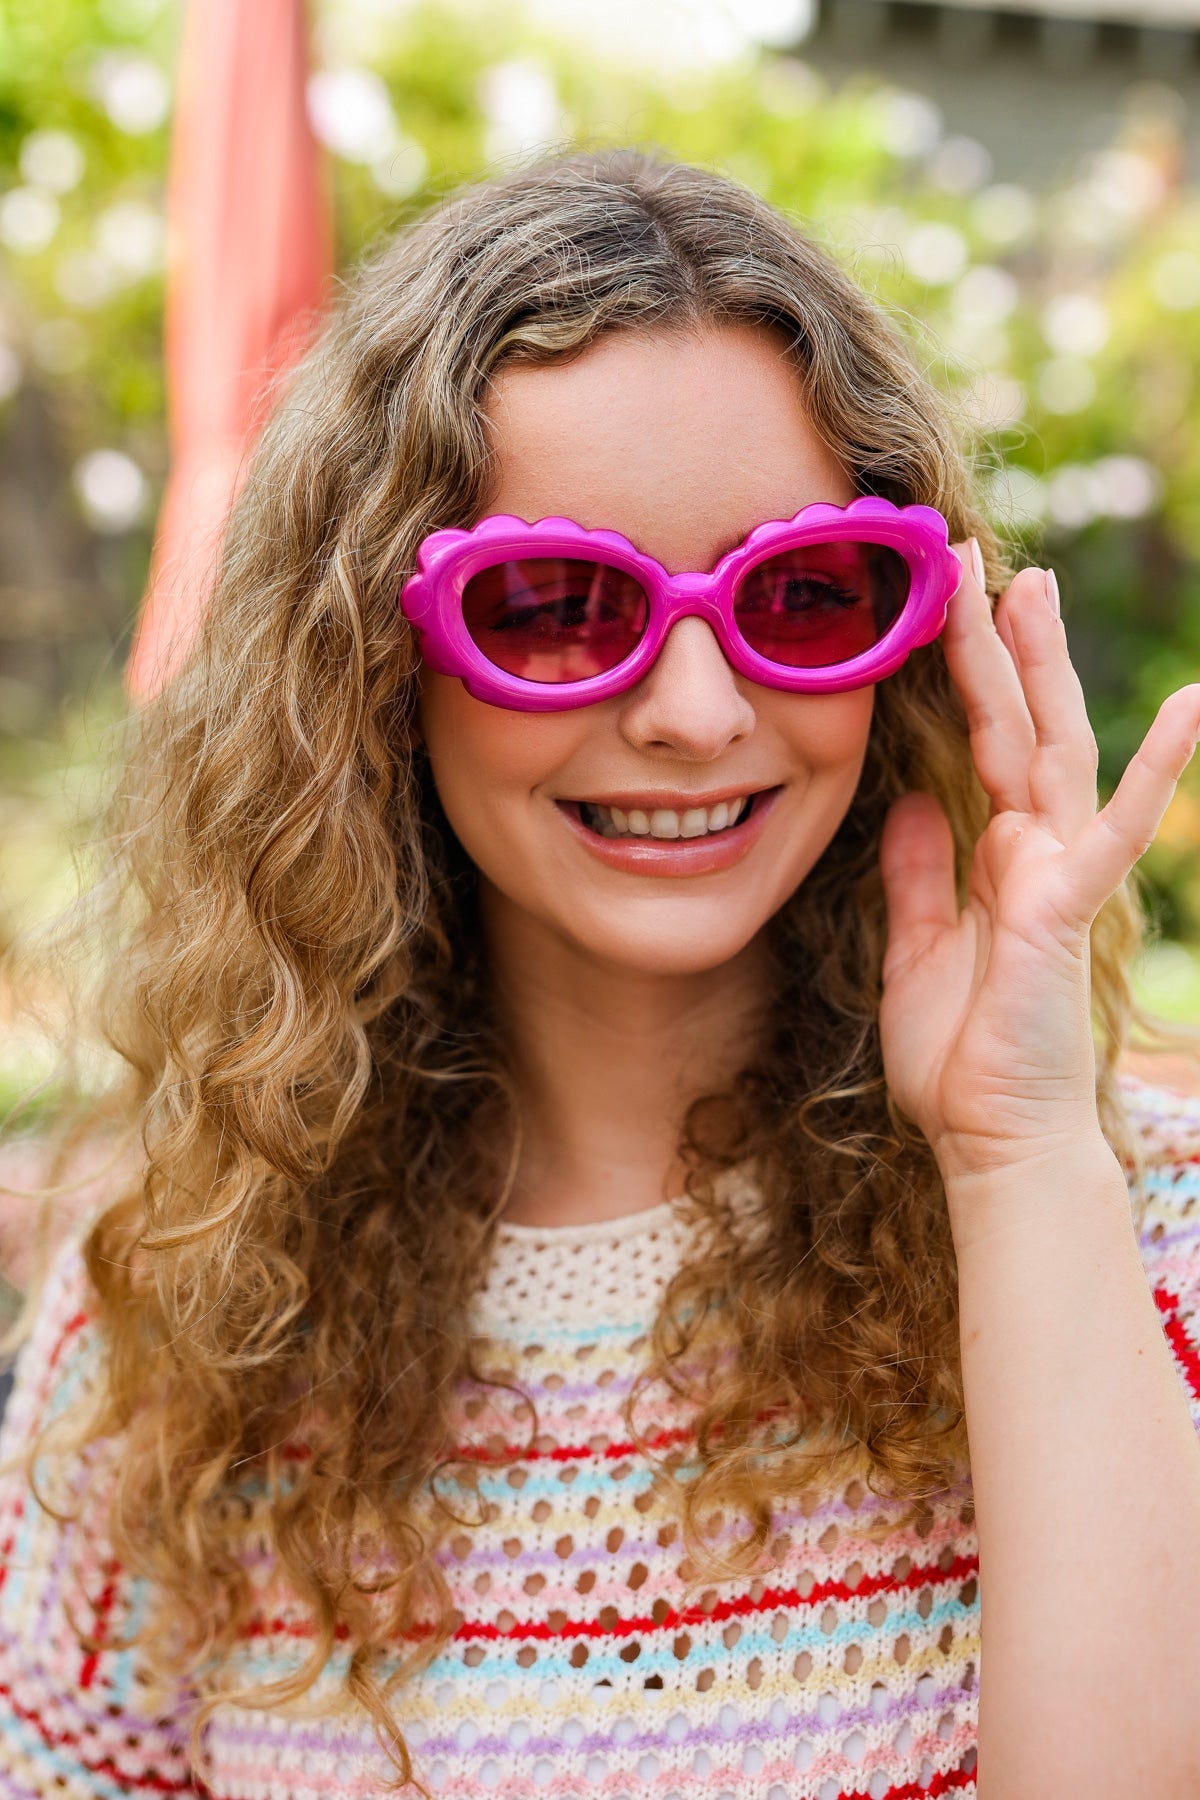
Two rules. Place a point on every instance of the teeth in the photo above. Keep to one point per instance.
(664, 821)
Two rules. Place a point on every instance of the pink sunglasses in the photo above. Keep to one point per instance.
(542, 617)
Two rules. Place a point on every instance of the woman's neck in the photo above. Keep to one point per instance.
(606, 1062)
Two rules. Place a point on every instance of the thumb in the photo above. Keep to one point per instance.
(916, 863)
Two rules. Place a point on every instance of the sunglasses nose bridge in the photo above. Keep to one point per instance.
(690, 595)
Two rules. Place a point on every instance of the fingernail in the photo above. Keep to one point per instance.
(1052, 599)
(977, 568)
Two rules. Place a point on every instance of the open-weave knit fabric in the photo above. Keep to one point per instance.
(584, 1665)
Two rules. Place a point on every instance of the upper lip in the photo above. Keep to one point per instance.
(668, 799)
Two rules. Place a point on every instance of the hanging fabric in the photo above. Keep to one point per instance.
(249, 258)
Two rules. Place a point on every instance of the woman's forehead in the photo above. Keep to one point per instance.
(682, 441)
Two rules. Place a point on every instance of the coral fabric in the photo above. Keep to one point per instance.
(583, 1666)
(249, 255)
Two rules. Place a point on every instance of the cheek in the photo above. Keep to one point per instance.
(486, 761)
(827, 734)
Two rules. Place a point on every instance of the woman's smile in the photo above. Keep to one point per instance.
(649, 834)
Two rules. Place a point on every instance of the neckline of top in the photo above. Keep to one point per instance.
(649, 1218)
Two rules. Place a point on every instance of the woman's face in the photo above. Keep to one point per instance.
(683, 443)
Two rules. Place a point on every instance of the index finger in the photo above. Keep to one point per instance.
(998, 718)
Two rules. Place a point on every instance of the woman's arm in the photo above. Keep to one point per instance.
(1085, 1464)
(1086, 1471)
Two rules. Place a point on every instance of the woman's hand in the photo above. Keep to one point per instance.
(986, 1021)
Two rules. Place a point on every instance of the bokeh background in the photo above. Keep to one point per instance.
(1021, 183)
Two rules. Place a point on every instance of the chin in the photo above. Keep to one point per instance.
(668, 946)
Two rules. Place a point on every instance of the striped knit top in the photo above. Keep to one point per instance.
(583, 1667)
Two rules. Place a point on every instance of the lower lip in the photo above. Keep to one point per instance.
(676, 856)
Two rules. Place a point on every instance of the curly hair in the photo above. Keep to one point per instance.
(311, 1065)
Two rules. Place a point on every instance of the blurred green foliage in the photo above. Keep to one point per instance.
(1067, 323)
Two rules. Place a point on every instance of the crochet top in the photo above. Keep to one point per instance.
(583, 1667)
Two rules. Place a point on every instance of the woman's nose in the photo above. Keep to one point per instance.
(689, 700)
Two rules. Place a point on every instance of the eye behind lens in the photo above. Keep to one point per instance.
(815, 605)
(554, 619)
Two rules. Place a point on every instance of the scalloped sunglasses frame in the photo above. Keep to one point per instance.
(432, 599)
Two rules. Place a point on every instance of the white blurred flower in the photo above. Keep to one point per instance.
(1015, 496)
(986, 295)
(789, 86)
(1175, 280)
(130, 235)
(351, 112)
(714, 32)
(133, 90)
(1066, 384)
(521, 107)
(1118, 189)
(960, 165)
(1128, 184)
(1074, 215)
(402, 170)
(889, 226)
(111, 489)
(907, 124)
(1004, 214)
(1126, 487)
(1075, 324)
(10, 371)
(28, 219)
(51, 160)
(995, 402)
(936, 253)
(983, 346)
(86, 279)
(776, 23)
(1071, 496)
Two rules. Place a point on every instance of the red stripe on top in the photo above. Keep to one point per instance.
(73, 1325)
(1177, 1336)
(770, 1600)
(104, 1606)
(561, 1453)
(658, 1440)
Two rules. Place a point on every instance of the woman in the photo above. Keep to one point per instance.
(631, 1232)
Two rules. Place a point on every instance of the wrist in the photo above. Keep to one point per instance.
(1032, 1187)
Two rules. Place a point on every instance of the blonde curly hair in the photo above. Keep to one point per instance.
(312, 1068)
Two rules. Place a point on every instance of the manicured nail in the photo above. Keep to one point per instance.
(1052, 599)
(977, 568)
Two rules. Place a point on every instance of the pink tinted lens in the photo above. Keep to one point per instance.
(551, 618)
(821, 603)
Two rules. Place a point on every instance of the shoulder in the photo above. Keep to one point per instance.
(58, 1353)
(1167, 1194)
(71, 1717)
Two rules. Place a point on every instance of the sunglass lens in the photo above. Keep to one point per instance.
(551, 618)
(821, 603)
